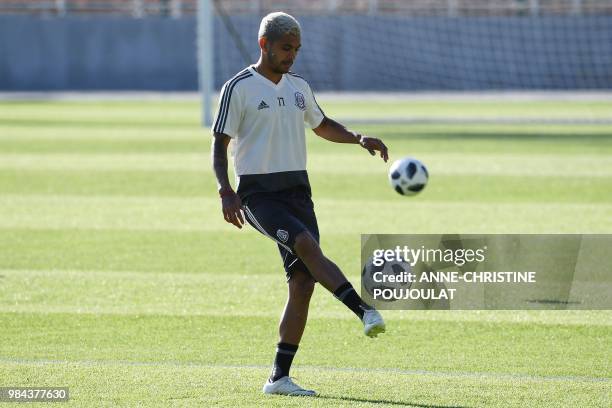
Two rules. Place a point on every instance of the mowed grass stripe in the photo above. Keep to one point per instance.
(75, 135)
(240, 386)
(209, 293)
(188, 111)
(97, 146)
(220, 252)
(399, 144)
(425, 345)
(146, 293)
(526, 165)
(401, 139)
(204, 214)
(390, 371)
(469, 109)
(450, 188)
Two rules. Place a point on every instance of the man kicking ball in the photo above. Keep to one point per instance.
(262, 110)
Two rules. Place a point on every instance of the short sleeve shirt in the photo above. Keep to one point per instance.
(266, 123)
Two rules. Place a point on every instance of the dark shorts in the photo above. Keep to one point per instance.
(281, 216)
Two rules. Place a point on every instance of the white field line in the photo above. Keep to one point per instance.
(506, 96)
(397, 371)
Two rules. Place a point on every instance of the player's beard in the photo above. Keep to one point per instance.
(276, 66)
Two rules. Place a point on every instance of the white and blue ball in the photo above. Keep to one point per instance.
(408, 176)
(377, 278)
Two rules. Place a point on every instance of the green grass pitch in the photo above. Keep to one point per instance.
(120, 280)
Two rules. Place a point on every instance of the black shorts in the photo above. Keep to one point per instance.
(281, 216)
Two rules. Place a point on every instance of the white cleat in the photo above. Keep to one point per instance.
(286, 386)
(373, 323)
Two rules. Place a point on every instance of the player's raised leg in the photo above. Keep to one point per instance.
(292, 324)
(332, 278)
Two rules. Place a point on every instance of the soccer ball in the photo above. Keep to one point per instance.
(408, 176)
(369, 283)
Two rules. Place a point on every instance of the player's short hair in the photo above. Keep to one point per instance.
(275, 25)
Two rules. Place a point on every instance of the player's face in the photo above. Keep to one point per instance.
(281, 53)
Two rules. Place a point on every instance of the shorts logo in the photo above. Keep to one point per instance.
(300, 102)
(282, 235)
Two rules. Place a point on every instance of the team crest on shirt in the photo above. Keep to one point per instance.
(300, 102)
(282, 235)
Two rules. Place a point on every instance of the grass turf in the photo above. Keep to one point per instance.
(119, 278)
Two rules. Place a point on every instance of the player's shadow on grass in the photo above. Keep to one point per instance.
(389, 402)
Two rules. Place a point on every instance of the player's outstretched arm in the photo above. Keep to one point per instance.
(230, 201)
(333, 131)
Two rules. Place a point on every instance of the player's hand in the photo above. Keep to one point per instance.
(372, 144)
(231, 205)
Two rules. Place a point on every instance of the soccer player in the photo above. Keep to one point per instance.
(262, 110)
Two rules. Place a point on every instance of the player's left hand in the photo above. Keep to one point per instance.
(372, 144)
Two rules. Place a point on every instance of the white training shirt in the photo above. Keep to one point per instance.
(266, 123)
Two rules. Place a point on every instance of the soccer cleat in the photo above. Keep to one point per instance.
(286, 386)
(373, 323)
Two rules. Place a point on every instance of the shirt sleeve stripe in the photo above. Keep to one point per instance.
(223, 107)
(229, 97)
(315, 99)
(225, 96)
